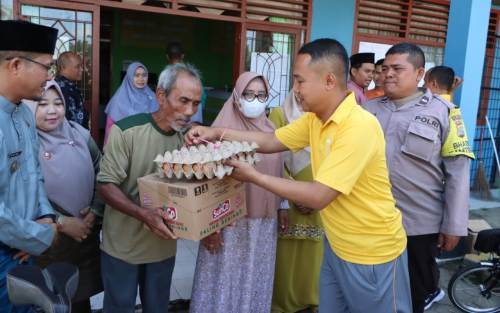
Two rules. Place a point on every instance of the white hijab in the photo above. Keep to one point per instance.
(295, 162)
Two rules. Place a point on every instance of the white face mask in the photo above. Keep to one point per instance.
(252, 109)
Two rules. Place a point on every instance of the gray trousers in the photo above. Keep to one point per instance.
(356, 288)
(121, 279)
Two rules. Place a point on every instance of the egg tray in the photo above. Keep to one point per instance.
(205, 160)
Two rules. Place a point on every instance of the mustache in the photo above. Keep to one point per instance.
(183, 119)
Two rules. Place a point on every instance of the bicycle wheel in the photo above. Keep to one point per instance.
(475, 289)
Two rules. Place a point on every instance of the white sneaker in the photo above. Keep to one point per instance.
(434, 297)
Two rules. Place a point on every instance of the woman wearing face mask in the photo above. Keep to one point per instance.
(235, 268)
(133, 97)
(69, 160)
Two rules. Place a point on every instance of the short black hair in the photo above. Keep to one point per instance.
(175, 50)
(356, 66)
(415, 54)
(330, 50)
(379, 62)
(444, 76)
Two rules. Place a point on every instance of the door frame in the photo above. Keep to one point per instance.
(96, 16)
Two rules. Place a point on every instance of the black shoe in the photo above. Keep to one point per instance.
(178, 305)
(434, 297)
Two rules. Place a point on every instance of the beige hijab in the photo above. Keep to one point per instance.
(260, 202)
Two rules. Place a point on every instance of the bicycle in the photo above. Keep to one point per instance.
(476, 288)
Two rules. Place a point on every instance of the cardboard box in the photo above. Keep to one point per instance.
(196, 208)
(475, 226)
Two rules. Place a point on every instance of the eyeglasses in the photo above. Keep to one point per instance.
(250, 96)
(51, 69)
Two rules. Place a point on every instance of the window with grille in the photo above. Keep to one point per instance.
(423, 22)
(490, 86)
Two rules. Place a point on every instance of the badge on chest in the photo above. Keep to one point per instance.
(47, 155)
(13, 159)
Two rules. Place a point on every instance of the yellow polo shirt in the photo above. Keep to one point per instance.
(362, 224)
(446, 96)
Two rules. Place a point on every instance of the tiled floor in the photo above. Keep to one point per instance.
(182, 280)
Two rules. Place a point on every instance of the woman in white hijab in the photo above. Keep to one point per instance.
(69, 160)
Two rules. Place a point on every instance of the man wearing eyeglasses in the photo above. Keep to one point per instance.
(26, 216)
(69, 73)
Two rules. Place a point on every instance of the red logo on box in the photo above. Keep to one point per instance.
(171, 213)
(221, 210)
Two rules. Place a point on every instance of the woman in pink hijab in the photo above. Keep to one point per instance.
(235, 268)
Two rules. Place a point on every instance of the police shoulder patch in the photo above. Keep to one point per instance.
(457, 142)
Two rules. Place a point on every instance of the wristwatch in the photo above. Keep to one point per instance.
(60, 220)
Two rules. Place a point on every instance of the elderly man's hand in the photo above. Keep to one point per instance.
(243, 171)
(200, 134)
(155, 220)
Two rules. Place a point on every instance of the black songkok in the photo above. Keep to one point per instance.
(360, 58)
(27, 37)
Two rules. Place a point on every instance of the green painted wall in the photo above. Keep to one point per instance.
(209, 45)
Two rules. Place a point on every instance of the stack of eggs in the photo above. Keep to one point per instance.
(205, 160)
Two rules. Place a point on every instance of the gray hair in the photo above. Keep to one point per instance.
(168, 76)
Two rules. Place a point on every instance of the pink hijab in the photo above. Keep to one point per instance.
(260, 202)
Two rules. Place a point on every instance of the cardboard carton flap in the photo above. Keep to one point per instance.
(148, 182)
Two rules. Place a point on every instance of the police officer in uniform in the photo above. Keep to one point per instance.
(428, 158)
(26, 216)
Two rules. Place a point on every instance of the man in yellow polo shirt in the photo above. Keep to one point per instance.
(365, 263)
